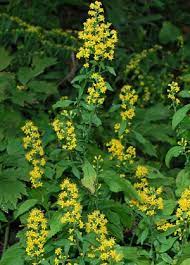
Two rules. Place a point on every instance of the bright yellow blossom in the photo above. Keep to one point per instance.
(173, 91)
(35, 155)
(98, 39)
(65, 131)
(96, 92)
(151, 201)
(36, 235)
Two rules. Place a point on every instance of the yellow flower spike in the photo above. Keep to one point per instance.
(97, 223)
(96, 92)
(141, 171)
(173, 91)
(68, 200)
(117, 150)
(97, 37)
(183, 213)
(151, 202)
(36, 234)
(35, 155)
(65, 131)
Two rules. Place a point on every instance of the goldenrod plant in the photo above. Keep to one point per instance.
(94, 135)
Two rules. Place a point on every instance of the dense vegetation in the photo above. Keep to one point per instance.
(94, 135)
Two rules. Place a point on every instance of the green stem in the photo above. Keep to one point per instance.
(6, 238)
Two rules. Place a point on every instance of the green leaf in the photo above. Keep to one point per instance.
(182, 181)
(118, 184)
(184, 93)
(11, 189)
(5, 59)
(24, 207)
(185, 262)
(96, 120)
(180, 115)
(89, 176)
(175, 151)
(40, 64)
(147, 146)
(166, 244)
(55, 224)
(169, 206)
(168, 33)
(111, 70)
(3, 218)
(14, 255)
(78, 78)
(25, 74)
(62, 104)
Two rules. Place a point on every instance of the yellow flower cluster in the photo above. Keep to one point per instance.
(36, 235)
(69, 201)
(151, 201)
(59, 256)
(172, 92)
(65, 131)
(141, 171)
(98, 39)
(97, 223)
(117, 150)
(128, 98)
(96, 92)
(35, 155)
(163, 225)
(134, 62)
(183, 213)
(43, 36)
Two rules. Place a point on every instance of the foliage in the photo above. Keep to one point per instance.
(95, 153)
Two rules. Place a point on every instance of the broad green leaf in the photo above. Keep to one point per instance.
(169, 206)
(78, 78)
(147, 146)
(40, 64)
(14, 255)
(89, 176)
(111, 70)
(24, 207)
(175, 151)
(25, 74)
(11, 189)
(55, 224)
(168, 33)
(185, 262)
(5, 59)
(3, 217)
(184, 93)
(166, 244)
(182, 181)
(62, 104)
(118, 184)
(180, 115)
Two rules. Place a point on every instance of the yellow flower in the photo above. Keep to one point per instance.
(172, 92)
(65, 131)
(117, 150)
(183, 213)
(163, 225)
(128, 98)
(141, 171)
(36, 234)
(69, 201)
(97, 224)
(150, 202)
(98, 39)
(96, 93)
(35, 155)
